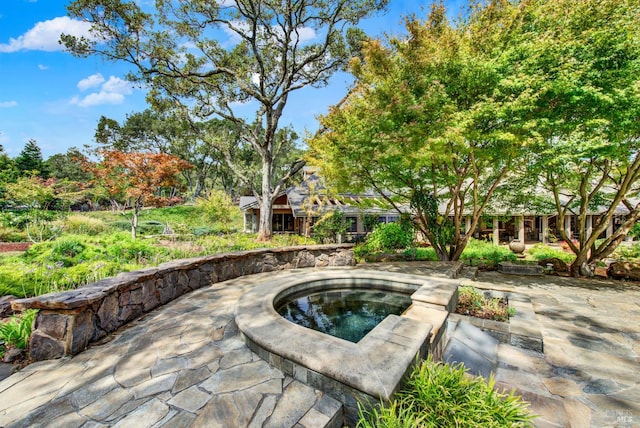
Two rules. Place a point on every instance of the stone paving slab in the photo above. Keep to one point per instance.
(589, 373)
(181, 365)
(158, 371)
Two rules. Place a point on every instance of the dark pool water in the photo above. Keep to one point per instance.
(348, 314)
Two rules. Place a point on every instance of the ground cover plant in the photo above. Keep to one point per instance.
(477, 252)
(441, 395)
(542, 252)
(15, 333)
(96, 245)
(474, 302)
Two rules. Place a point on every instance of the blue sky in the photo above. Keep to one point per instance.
(50, 96)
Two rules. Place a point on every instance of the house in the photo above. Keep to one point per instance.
(297, 208)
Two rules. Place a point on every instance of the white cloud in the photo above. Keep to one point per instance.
(43, 67)
(91, 82)
(44, 35)
(306, 34)
(8, 104)
(99, 98)
(117, 85)
(112, 91)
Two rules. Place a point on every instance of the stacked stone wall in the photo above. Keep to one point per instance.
(68, 322)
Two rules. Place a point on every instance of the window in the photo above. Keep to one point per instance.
(353, 224)
(283, 222)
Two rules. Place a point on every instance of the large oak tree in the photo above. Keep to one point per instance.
(277, 47)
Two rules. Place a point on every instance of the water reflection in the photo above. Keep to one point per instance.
(349, 314)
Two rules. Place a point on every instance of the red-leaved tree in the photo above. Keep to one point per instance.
(133, 180)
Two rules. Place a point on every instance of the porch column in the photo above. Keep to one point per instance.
(589, 225)
(610, 228)
(496, 231)
(467, 227)
(545, 228)
(567, 225)
(521, 229)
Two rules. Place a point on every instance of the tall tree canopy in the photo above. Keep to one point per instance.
(428, 123)
(442, 115)
(277, 48)
(578, 66)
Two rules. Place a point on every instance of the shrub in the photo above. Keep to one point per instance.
(124, 249)
(541, 252)
(627, 252)
(423, 254)
(389, 236)
(217, 207)
(10, 234)
(441, 395)
(78, 224)
(203, 231)
(330, 226)
(488, 252)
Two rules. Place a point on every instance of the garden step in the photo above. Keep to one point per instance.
(518, 269)
(469, 272)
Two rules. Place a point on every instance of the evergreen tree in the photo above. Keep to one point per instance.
(30, 161)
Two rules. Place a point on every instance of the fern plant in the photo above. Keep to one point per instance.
(16, 332)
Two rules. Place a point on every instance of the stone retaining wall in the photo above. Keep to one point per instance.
(69, 321)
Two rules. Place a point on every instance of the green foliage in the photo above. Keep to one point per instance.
(217, 207)
(472, 301)
(541, 252)
(72, 261)
(65, 251)
(123, 248)
(16, 332)
(145, 227)
(442, 395)
(79, 224)
(29, 161)
(441, 229)
(389, 236)
(330, 226)
(9, 234)
(369, 222)
(635, 231)
(423, 254)
(628, 252)
(487, 252)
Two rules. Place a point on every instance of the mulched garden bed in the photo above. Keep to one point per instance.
(472, 302)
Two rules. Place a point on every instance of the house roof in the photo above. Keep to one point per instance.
(310, 196)
(313, 189)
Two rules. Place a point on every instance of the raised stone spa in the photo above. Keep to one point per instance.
(367, 371)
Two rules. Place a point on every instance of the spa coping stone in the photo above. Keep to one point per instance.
(370, 370)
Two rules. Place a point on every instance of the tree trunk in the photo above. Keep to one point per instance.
(134, 222)
(580, 267)
(265, 227)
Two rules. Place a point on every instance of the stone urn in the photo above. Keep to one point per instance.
(516, 246)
